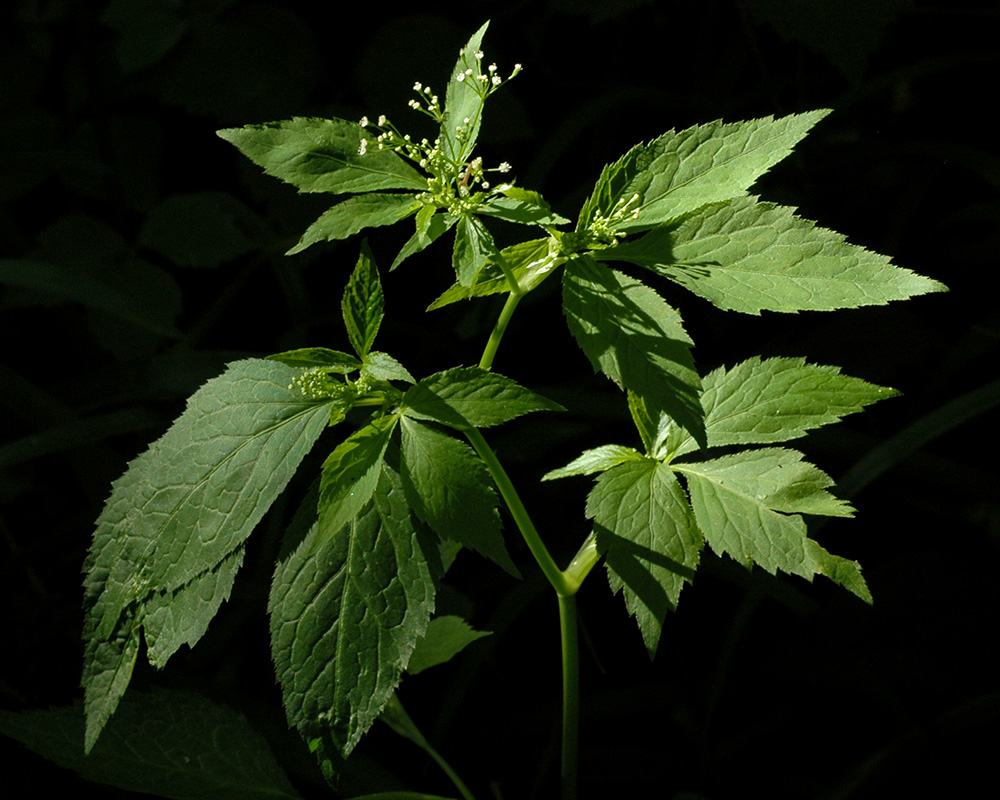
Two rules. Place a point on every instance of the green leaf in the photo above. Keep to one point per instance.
(470, 397)
(523, 207)
(445, 638)
(651, 543)
(180, 511)
(166, 743)
(383, 367)
(463, 105)
(356, 213)
(599, 459)
(680, 172)
(346, 614)
(763, 401)
(631, 335)
(330, 360)
(473, 247)
(350, 475)
(609, 194)
(431, 227)
(321, 155)
(748, 506)
(742, 255)
(529, 262)
(449, 488)
(363, 304)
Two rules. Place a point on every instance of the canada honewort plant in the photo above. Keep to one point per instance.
(352, 604)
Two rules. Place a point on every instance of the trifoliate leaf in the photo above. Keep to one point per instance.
(346, 614)
(350, 475)
(631, 335)
(599, 459)
(445, 638)
(180, 511)
(651, 543)
(742, 255)
(763, 401)
(463, 103)
(470, 397)
(363, 303)
(449, 488)
(322, 155)
(356, 213)
(744, 502)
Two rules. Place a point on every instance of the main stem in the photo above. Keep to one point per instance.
(566, 582)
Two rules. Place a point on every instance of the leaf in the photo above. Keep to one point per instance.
(763, 401)
(383, 367)
(445, 638)
(463, 105)
(609, 191)
(631, 335)
(473, 247)
(321, 155)
(181, 509)
(742, 255)
(356, 213)
(350, 475)
(363, 304)
(346, 615)
(599, 459)
(680, 172)
(522, 206)
(651, 543)
(166, 743)
(449, 488)
(737, 500)
(331, 360)
(437, 225)
(470, 397)
(530, 263)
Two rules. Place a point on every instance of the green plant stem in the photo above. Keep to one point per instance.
(518, 512)
(499, 328)
(569, 635)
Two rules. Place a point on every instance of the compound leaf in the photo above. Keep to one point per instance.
(346, 614)
(181, 509)
(631, 335)
(322, 155)
(470, 397)
(651, 543)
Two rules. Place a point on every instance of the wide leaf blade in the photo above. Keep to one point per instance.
(449, 488)
(747, 256)
(631, 335)
(363, 303)
(470, 397)
(652, 546)
(463, 104)
(322, 155)
(184, 506)
(356, 213)
(346, 615)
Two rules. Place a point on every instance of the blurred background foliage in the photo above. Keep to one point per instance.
(139, 253)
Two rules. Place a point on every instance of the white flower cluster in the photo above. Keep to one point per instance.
(485, 83)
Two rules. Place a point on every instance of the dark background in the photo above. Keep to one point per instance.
(141, 253)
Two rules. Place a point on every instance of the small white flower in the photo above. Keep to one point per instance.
(381, 120)
(479, 54)
(504, 167)
(495, 80)
(364, 122)
(363, 147)
(417, 86)
(460, 77)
